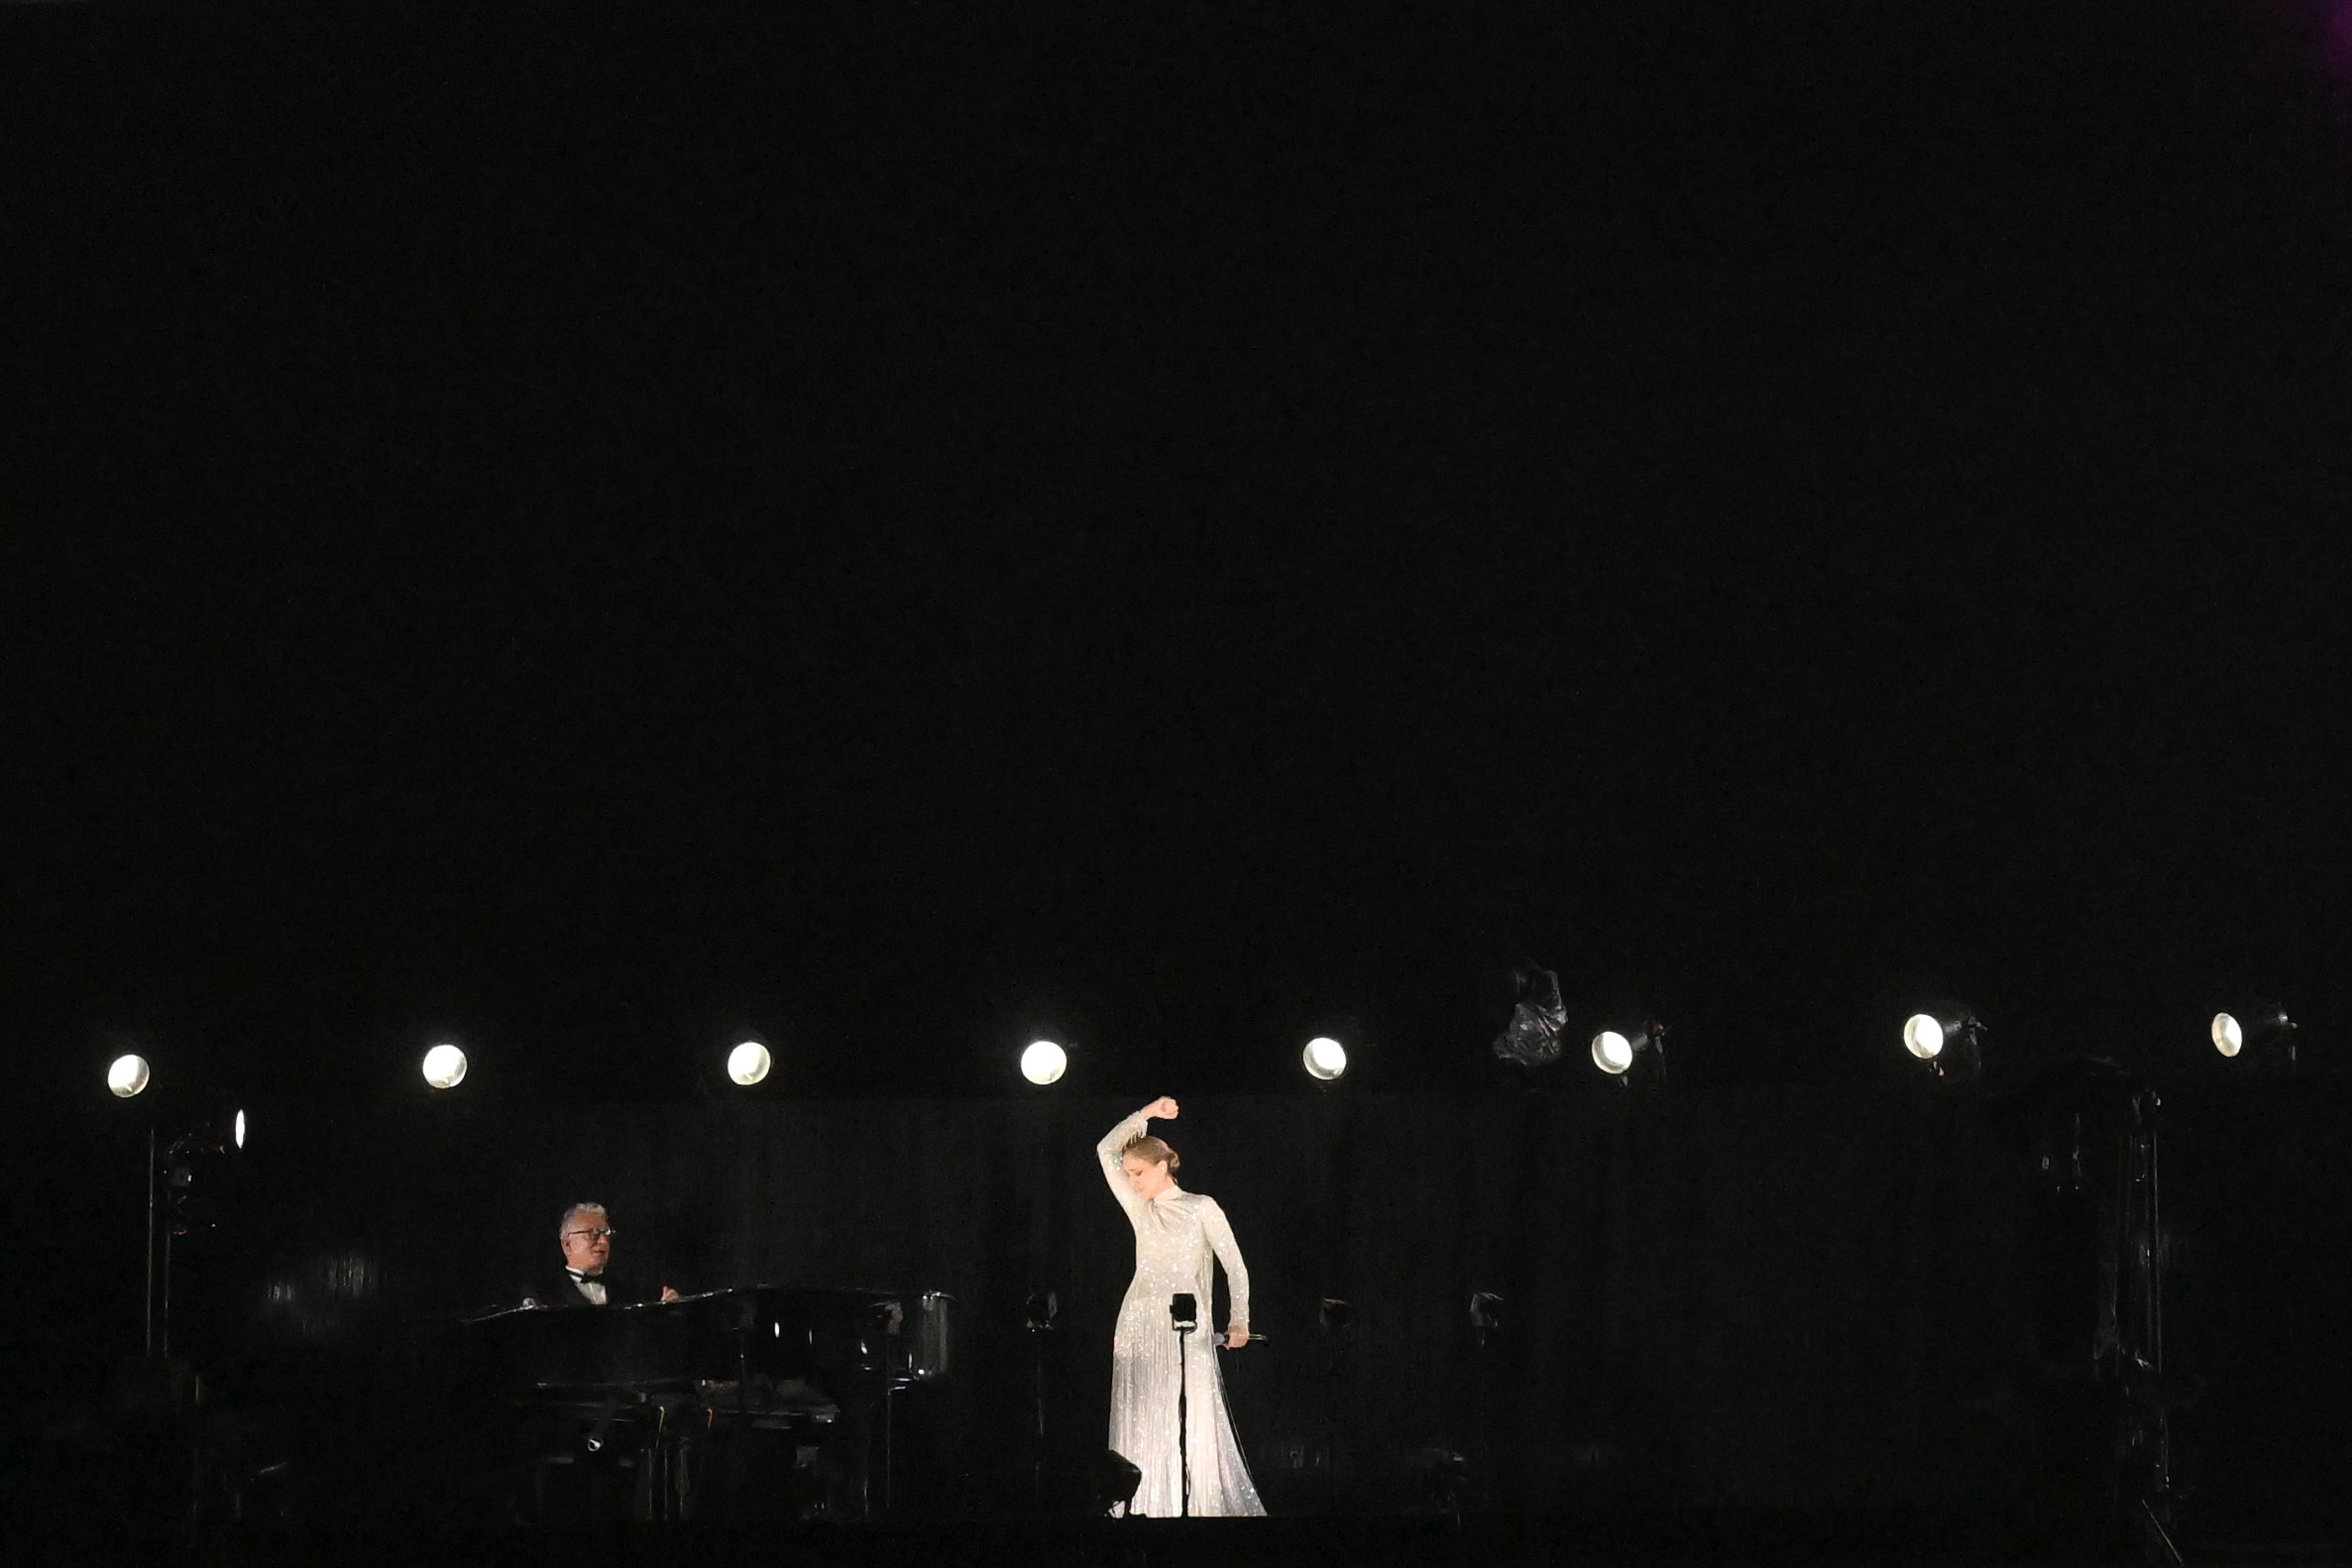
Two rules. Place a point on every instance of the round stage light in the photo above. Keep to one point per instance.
(1325, 1058)
(127, 1075)
(2260, 1034)
(2229, 1036)
(1612, 1051)
(237, 1132)
(444, 1067)
(1043, 1062)
(749, 1063)
(1923, 1035)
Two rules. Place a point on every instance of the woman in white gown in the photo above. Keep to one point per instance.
(1176, 1234)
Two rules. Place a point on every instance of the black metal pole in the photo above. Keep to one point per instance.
(1037, 1394)
(1331, 1422)
(1183, 1437)
(150, 1240)
(166, 1294)
(2155, 1264)
(2155, 1484)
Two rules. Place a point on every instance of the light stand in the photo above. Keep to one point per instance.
(180, 1178)
(1042, 1309)
(1183, 1311)
(2106, 1120)
(1333, 1317)
(150, 1241)
(2147, 1427)
(160, 1391)
(1486, 1323)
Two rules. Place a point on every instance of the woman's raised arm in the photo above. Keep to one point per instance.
(1113, 1144)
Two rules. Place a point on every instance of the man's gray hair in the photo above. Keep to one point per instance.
(574, 1213)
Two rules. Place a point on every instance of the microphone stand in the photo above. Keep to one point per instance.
(1183, 1311)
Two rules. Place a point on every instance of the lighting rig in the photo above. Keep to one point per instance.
(2260, 1035)
(1043, 1062)
(1633, 1052)
(1326, 1059)
(1948, 1039)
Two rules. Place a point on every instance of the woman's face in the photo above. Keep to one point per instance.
(1149, 1178)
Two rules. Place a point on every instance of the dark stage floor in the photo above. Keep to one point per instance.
(1679, 1538)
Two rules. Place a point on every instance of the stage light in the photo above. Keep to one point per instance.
(444, 1067)
(127, 1075)
(1945, 1037)
(1043, 1062)
(237, 1130)
(1325, 1058)
(1113, 1480)
(2228, 1038)
(2261, 1031)
(1631, 1050)
(749, 1063)
(1923, 1035)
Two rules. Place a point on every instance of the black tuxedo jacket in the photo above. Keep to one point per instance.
(625, 1285)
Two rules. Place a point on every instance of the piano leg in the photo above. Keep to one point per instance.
(674, 1468)
(645, 1493)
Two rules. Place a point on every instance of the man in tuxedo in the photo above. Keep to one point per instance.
(587, 1277)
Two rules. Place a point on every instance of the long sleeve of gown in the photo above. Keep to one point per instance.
(1228, 1251)
(1110, 1151)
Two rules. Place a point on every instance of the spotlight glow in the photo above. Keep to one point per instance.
(749, 1063)
(444, 1067)
(1325, 1058)
(2228, 1038)
(127, 1075)
(1612, 1051)
(239, 1132)
(1043, 1062)
(1922, 1036)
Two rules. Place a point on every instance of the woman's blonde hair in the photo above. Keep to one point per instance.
(1153, 1152)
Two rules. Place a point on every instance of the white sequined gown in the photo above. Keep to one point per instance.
(1176, 1235)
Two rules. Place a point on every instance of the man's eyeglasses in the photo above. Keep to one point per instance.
(592, 1235)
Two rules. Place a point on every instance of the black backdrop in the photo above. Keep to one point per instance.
(1780, 1298)
(1823, 1298)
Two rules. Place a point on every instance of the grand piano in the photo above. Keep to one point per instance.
(761, 1401)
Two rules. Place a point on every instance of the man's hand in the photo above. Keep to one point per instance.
(1162, 1109)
